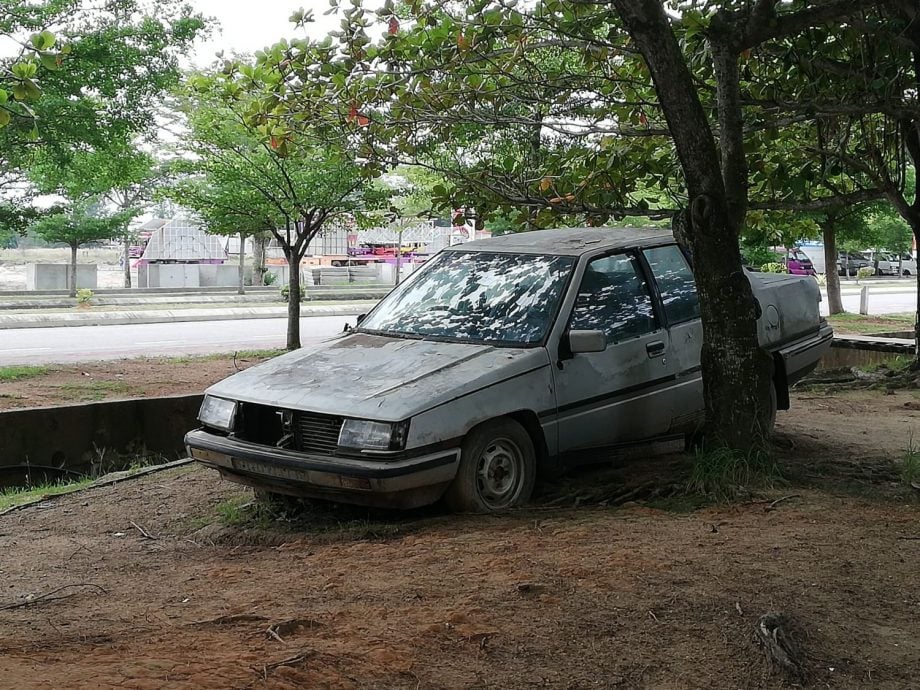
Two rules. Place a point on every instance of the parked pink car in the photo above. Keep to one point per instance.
(796, 261)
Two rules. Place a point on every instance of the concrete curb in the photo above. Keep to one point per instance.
(115, 318)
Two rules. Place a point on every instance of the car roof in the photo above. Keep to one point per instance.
(569, 241)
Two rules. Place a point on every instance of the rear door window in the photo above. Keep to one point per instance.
(675, 283)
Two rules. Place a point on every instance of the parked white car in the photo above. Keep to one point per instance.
(496, 360)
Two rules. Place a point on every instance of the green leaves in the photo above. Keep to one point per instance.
(43, 41)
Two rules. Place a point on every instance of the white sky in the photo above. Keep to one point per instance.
(246, 26)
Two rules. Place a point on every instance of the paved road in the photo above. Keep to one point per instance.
(880, 301)
(94, 343)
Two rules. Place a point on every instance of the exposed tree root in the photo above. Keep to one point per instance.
(780, 639)
(616, 495)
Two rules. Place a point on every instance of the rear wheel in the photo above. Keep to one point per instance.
(498, 469)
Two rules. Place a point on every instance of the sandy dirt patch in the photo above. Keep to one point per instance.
(587, 597)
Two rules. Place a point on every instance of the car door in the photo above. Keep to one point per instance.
(680, 303)
(618, 395)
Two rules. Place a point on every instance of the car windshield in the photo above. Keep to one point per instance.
(476, 296)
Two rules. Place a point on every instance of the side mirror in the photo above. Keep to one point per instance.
(587, 341)
(360, 318)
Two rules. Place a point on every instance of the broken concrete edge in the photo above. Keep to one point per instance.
(171, 316)
(105, 480)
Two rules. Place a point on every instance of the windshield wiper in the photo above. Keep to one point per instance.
(389, 334)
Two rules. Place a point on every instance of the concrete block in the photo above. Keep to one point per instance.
(173, 275)
(218, 275)
(57, 276)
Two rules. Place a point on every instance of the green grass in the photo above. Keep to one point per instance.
(323, 522)
(724, 474)
(910, 468)
(866, 325)
(96, 390)
(239, 354)
(17, 496)
(9, 374)
(894, 363)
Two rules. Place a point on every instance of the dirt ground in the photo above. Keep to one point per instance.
(61, 384)
(169, 581)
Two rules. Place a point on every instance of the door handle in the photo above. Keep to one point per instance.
(655, 348)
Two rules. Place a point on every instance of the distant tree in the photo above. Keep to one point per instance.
(85, 75)
(78, 225)
(252, 176)
(119, 173)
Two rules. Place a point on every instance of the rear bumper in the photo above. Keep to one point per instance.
(801, 356)
(401, 483)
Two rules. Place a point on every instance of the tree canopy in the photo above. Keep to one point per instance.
(603, 111)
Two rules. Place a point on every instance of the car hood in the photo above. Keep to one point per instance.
(377, 377)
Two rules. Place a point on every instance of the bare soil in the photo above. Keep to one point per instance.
(172, 581)
(61, 384)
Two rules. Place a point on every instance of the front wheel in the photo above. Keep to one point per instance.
(498, 469)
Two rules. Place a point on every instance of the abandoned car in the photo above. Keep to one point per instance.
(498, 359)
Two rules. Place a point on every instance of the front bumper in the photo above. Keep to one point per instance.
(401, 483)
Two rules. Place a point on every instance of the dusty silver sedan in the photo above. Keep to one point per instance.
(499, 359)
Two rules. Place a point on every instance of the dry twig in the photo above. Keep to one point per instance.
(144, 533)
(48, 596)
(775, 503)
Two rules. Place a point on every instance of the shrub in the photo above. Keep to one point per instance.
(865, 272)
(773, 267)
(84, 295)
(268, 278)
(286, 291)
(821, 278)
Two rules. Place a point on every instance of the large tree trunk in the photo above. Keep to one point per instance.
(834, 300)
(126, 256)
(736, 372)
(73, 270)
(241, 289)
(293, 326)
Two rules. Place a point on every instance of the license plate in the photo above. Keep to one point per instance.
(259, 468)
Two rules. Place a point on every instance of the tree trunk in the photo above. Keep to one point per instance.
(241, 289)
(834, 300)
(293, 326)
(258, 258)
(73, 270)
(736, 372)
(127, 260)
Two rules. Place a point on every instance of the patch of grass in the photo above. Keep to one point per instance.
(240, 354)
(16, 496)
(324, 522)
(866, 325)
(895, 363)
(910, 467)
(724, 474)
(9, 374)
(95, 390)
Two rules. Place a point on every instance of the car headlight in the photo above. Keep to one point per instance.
(219, 413)
(363, 434)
